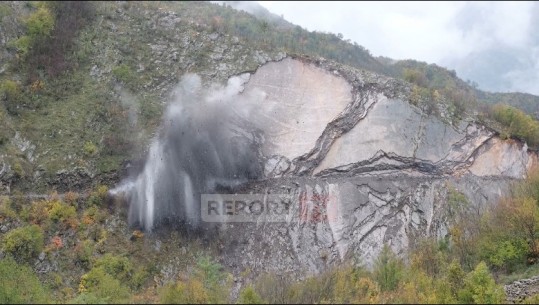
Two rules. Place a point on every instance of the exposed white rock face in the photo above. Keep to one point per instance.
(301, 99)
(393, 126)
(503, 158)
(363, 165)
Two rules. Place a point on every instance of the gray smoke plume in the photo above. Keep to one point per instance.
(205, 144)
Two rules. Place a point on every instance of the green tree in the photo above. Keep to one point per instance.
(24, 243)
(209, 270)
(509, 233)
(454, 275)
(214, 279)
(249, 296)
(388, 269)
(102, 286)
(480, 288)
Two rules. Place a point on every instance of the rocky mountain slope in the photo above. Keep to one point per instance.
(385, 171)
(368, 158)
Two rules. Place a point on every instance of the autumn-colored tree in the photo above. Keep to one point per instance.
(427, 256)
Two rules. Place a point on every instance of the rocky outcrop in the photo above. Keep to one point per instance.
(362, 165)
(521, 289)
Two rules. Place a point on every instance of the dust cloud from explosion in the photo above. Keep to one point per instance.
(205, 144)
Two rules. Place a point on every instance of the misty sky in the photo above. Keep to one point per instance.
(495, 44)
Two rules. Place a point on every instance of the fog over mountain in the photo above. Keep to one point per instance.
(491, 43)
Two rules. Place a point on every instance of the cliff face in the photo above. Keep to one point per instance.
(364, 167)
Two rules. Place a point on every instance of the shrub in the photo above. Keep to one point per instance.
(368, 291)
(56, 243)
(209, 270)
(88, 298)
(415, 77)
(5, 10)
(422, 97)
(534, 299)
(188, 292)
(40, 23)
(19, 171)
(123, 73)
(249, 296)
(59, 212)
(103, 286)
(6, 208)
(23, 44)
(93, 215)
(83, 252)
(273, 288)
(11, 90)
(311, 290)
(37, 86)
(19, 284)
(71, 197)
(116, 266)
(12, 94)
(457, 201)
(529, 188)
(24, 243)
(427, 257)
(139, 278)
(90, 149)
(98, 195)
(38, 213)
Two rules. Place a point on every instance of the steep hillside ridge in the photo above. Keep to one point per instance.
(90, 125)
(368, 158)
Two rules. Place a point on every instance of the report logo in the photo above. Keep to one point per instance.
(307, 208)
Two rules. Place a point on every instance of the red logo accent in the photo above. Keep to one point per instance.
(317, 208)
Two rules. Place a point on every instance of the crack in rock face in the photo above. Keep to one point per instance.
(362, 165)
(301, 100)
